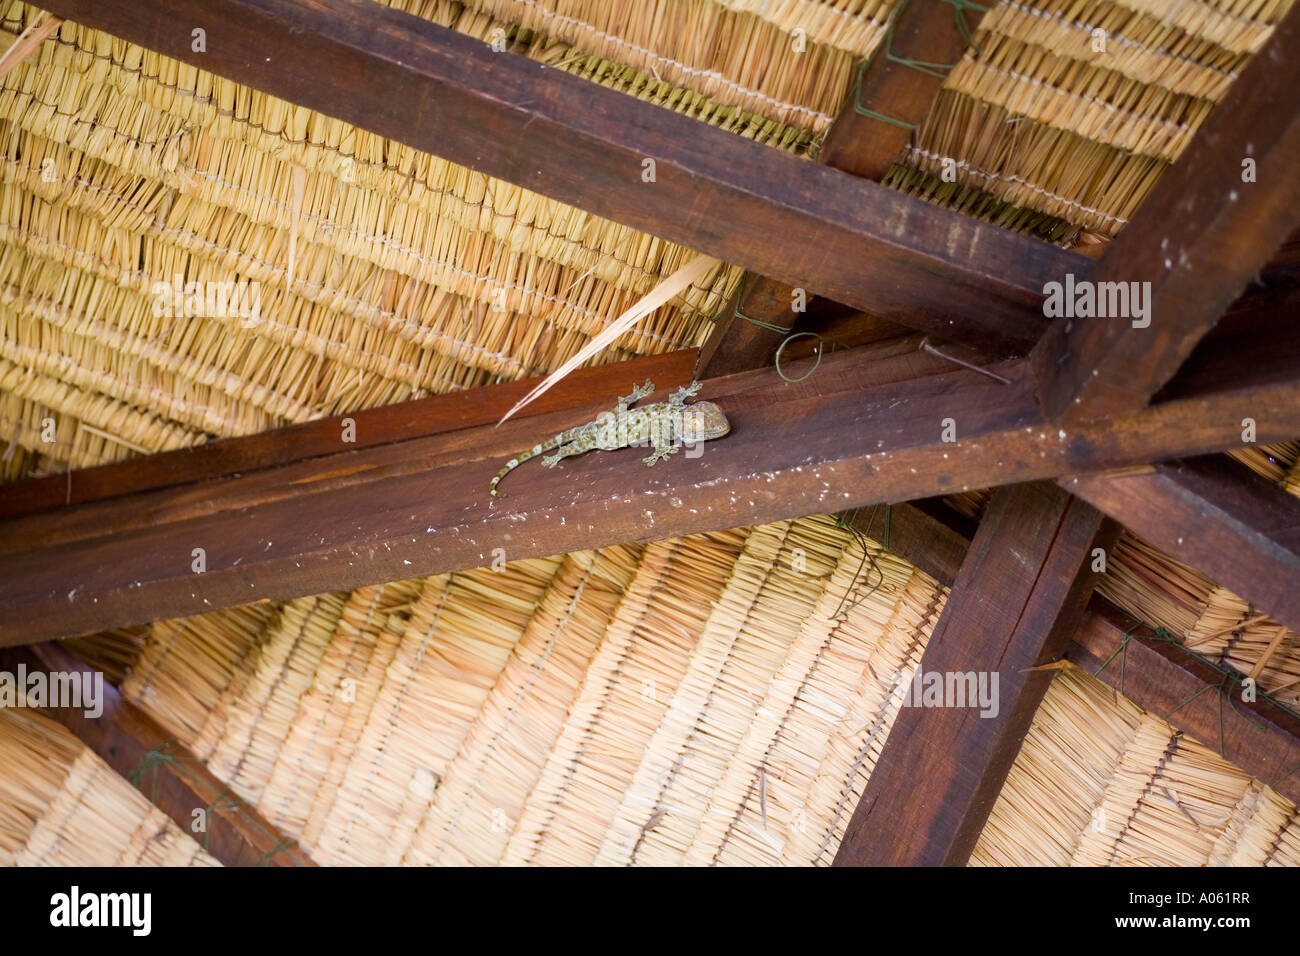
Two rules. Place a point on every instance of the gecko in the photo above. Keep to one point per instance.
(666, 425)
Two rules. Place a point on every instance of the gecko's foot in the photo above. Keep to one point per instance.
(661, 454)
(550, 461)
(682, 394)
(638, 392)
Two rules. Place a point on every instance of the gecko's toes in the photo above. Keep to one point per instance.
(550, 461)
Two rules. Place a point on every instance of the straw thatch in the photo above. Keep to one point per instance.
(690, 701)
(687, 701)
(61, 805)
(1066, 112)
(1099, 782)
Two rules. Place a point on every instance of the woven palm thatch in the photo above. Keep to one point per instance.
(1099, 782)
(696, 701)
(1072, 109)
(61, 805)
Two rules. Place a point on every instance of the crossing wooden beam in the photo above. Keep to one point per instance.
(865, 146)
(138, 748)
(1236, 527)
(802, 223)
(1016, 602)
(1260, 736)
(1208, 226)
(1175, 683)
(871, 426)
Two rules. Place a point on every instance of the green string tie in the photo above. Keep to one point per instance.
(848, 522)
(1229, 680)
(939, 71)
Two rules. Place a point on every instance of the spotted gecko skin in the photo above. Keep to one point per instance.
(665, 425)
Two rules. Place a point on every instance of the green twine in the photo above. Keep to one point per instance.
(781, 348)
(848, 522)
(151, 760)
(939, 71)
(160, 755)
(280, 844)
(786, 331)
(1229, 679)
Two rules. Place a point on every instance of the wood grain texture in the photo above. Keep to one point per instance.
(1198, 239)
(123, 735)
(1259, 737)
(1017, 599)
(854, 434)
(925, 30)
(1234, 526)
(373, 427)
(505, 115)
(1170, 681)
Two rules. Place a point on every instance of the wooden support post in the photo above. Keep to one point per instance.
(142, 752)
(1018, 598)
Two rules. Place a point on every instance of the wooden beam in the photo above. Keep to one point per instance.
(1197, 240)
(1018, 598)
(737, 345)
(1260, 737)
(370, 428)
(1167, 679)
(865, 146)
(1236, 527)
(854, 434)
(176, 781)
(505, 115)
(924, 30)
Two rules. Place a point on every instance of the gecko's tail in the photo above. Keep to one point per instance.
(518, 460)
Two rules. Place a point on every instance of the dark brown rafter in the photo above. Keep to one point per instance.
(324, 436)
(806, 224)
(865, 429)
(1260, 737)
(864, 146)
(176, 781)
(1217, 516)
(1016, 601)
(1167, 679)
(1198, 239)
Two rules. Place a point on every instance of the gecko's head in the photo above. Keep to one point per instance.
(702, 421)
